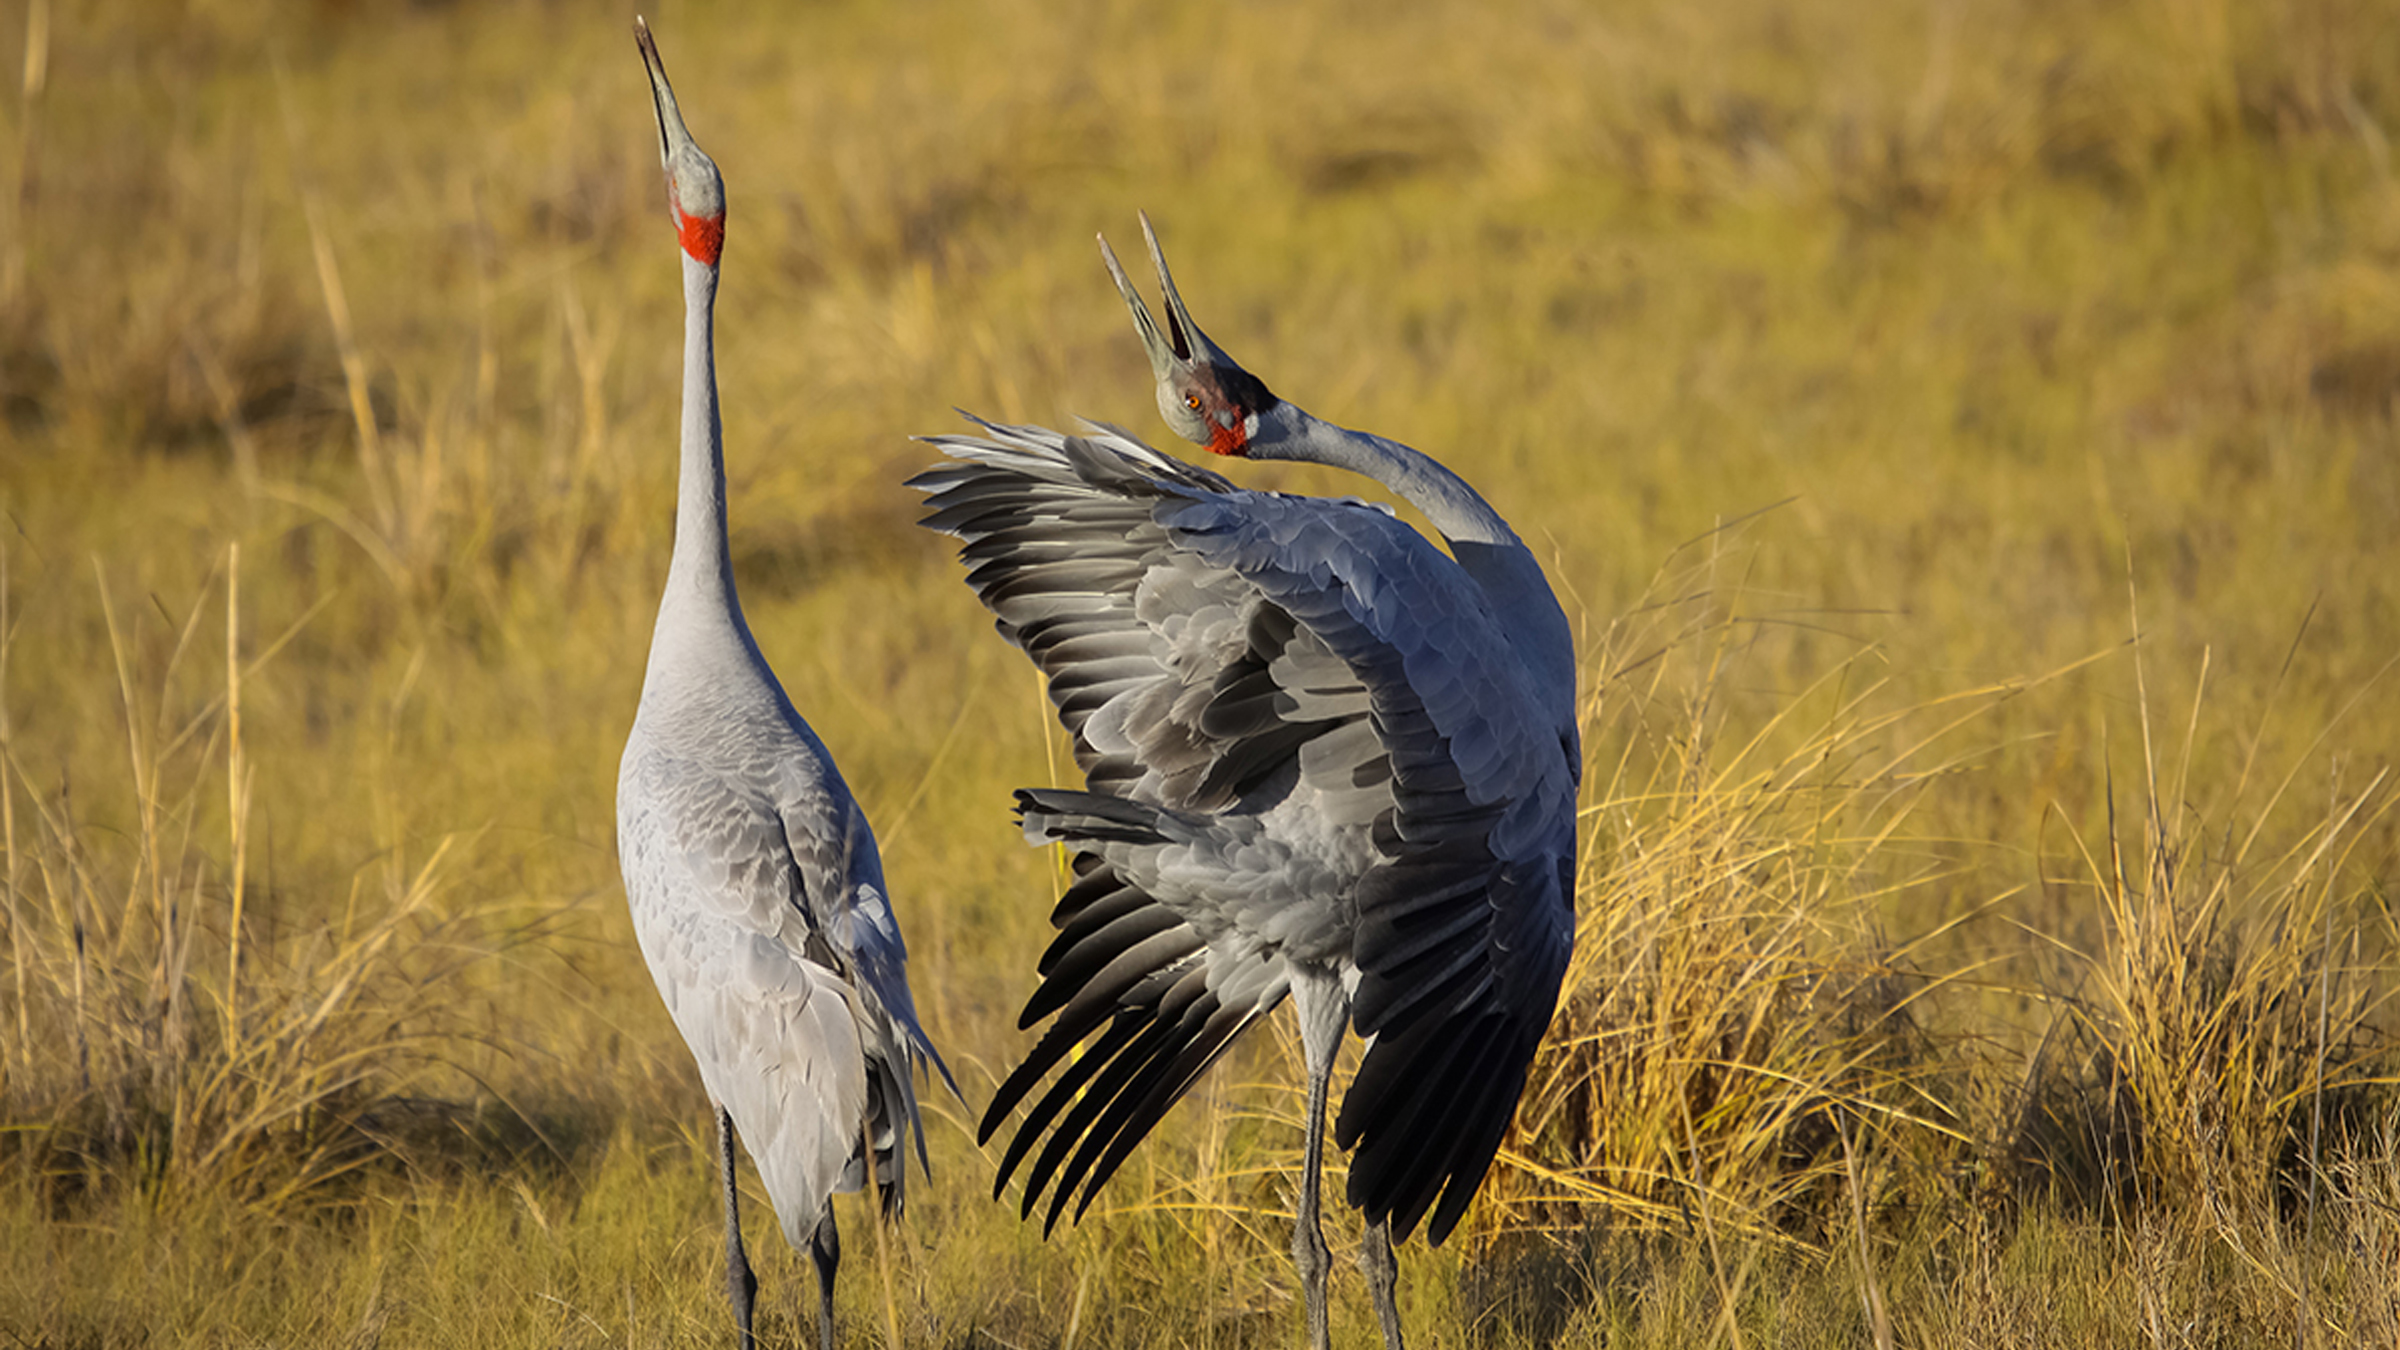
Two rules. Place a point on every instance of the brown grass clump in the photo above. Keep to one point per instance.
(1734, 1020)
(179, 1027)
(2232, 1031)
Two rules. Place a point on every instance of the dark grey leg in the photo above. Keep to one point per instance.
(740, 1285)
(1383, 1280)
(1324, 1013)
(827, 1249)
(1309, 1252)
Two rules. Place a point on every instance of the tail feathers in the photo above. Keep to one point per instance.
(891, 1101)
(1056, 815)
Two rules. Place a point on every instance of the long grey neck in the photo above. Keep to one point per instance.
(1485, 547)
(703, 565)
(699, 614)
(1458, 511)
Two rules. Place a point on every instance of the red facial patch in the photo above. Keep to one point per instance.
(1230, 440)
(703, 236)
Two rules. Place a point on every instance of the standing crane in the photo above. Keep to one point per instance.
(755, 885)
(1324, 759)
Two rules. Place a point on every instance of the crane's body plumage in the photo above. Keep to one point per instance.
(753, 879)
(1324, 760)
(758, 898)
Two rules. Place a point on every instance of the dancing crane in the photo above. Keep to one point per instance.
(755, 885)
(1324, 758)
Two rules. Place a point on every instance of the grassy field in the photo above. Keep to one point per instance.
(1966, 436)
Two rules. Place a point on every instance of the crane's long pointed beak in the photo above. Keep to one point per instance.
(1181, 343)
(1190, 344)
(671, 132)
(1163, 355)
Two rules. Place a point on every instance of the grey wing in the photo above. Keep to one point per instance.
(1135, 637)
(1143, 1009)
(1130, 631)
(1466, 923)
(850, 926)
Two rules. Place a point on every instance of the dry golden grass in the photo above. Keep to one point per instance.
(1985, 915)
(164, 1040)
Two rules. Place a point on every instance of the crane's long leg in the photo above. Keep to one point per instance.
(740, 1285)
(1324, 1011)
(1383, 1279)
(1309, 1252)
(827, 1249)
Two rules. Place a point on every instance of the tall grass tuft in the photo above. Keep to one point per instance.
(2233, 1032)
(179, 1027)
(1735, 1022)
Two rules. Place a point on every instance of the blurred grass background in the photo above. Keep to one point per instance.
(1955, 967)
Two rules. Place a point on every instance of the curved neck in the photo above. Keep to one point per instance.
(703, 564)
(1483, 545)
(1458, 511)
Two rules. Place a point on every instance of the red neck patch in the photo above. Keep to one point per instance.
(1229, 440)
(703, 236)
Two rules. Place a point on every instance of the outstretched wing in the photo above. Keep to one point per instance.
(1061, 547)
(1322, 666)
(1151, 1008)
(1465, 921)
(1135, 639)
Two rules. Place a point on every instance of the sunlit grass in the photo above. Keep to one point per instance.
(1964, 437)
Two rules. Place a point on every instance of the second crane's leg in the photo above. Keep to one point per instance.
(1324, 1012)
(827, 1249)
(1383, 1280)
(740, 1285)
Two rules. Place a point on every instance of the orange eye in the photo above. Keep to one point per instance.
(1192, 401)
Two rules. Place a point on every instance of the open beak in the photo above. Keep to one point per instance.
(671, 134)
(1182, 345)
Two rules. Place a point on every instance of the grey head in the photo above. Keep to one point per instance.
(1205, 395)
(695, 190)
